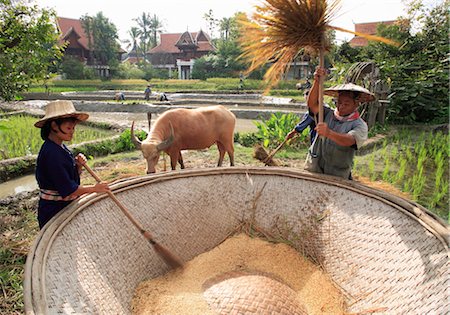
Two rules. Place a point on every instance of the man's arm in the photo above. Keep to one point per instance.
(313, 96)
(342, 139)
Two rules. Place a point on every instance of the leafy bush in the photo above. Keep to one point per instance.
(129, 71)
(246, 139)
(72, 68)
(274, 130)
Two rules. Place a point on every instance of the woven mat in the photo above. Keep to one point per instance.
(243, 293)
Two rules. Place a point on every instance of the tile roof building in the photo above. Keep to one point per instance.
(179, 51)
(366, 28)
(77, 44)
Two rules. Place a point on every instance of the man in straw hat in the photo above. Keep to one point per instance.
(57, 171)
(341, 133)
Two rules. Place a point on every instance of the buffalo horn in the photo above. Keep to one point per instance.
(167, 142)
(136, 141)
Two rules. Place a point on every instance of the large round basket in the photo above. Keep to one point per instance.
(384, 252)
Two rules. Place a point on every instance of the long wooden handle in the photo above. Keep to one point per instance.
(321, 79)
(270, 156)
(122, 207)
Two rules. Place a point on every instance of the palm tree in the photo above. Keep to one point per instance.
(156, 27)
(225, 27)
(144, 22)
(134, 34)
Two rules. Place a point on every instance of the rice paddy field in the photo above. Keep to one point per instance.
(414, 161)
(19, 137)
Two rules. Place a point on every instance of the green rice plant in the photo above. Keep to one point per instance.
(21, 138)
(407, 185)
(409, 154)
(401, 171)
(418, 183)
(387, 165)
(373, 174)
(394, 152)
(439, 163)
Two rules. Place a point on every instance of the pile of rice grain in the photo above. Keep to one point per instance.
(181, 291)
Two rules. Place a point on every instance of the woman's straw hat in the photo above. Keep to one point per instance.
(364, 94)
(60, 109)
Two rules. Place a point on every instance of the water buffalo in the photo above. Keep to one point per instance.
(188, 129)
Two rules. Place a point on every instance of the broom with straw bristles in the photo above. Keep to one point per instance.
(281, 29)
(163, 252)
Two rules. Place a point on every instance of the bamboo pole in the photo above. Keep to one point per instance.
(321, 82)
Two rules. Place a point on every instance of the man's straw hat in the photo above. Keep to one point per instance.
(60, 109)
(364, 94)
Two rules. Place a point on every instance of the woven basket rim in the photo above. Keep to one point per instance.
(34, 279)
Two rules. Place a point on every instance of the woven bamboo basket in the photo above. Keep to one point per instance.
(382, 251)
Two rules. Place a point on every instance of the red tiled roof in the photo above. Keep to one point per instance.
(358, 41)
(366, 28)
(370, 28)
(67, 26)
(168, 41)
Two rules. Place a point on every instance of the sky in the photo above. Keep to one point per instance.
(181, 15)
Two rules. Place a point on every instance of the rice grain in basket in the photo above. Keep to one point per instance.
(185, 291)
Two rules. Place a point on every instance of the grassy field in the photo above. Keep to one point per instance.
(19, 137)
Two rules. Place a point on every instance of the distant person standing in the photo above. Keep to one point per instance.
(148, 92)
(241, 81)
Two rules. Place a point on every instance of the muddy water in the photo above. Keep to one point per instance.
(18, 185)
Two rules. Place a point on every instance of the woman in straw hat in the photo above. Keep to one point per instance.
(57, 171)
(341, 133)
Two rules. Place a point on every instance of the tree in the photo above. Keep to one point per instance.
(105, 40)
(419, 70)
(225, 61)
(156, 27)
(225, 25)
(134, 34)
(212, 22)
(28, 46)
(87, 24)
(144, 22)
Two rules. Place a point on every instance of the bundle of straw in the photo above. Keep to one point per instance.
(281, 29)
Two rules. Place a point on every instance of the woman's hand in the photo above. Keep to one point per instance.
(101, 187)
(80, 159)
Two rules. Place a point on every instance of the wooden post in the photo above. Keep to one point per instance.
(321, 65)
(149, 118)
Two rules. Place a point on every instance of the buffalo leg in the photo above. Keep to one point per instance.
(173, 160)
(221, 153)
(231, 156)
(180, 160)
